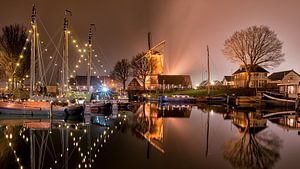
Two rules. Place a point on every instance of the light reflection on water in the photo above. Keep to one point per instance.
(152, 136)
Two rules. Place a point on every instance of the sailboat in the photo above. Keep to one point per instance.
(36, 104)
(209, 98)
(41, 104)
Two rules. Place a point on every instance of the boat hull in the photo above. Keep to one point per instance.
(272, 100)
(74, 110)
(28, 108)
(105, 108)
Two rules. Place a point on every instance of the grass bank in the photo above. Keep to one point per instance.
(214, 92)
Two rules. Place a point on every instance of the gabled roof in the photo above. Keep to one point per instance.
(229, 78)
(280, 75)
(215, 83)
(254, 69)
(184, 80)
(133, 80)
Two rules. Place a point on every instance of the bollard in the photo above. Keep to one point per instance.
(51, 116)
(51, 109)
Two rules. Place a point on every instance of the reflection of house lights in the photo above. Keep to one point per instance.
(211, 112)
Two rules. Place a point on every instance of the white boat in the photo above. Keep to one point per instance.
(28, 108)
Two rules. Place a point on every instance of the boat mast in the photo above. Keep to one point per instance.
(65, 62)
(89, 58)
(208, 72)
(33, 50)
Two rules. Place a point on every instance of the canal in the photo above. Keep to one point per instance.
(152, 136)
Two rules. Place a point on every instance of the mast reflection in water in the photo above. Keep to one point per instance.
(153, 136)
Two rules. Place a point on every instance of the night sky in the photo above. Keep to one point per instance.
(186, 25)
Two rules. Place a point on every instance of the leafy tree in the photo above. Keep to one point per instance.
(121, 71)
(254, 46)
(14, 59)
(142, 67)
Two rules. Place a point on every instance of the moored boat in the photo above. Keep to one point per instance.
(75, 109)
(28, 107)
(100, 107)
(177, 99)
(275, 99)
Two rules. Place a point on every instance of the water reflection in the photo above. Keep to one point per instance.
(254, 148)
(288, 122)
(171, 136)
(43, 143)
(150, 121)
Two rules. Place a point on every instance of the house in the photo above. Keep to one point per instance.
(258, 77)
(288, 82)
(228, 81)
(174, 82)
(203, 84)
(135, 84)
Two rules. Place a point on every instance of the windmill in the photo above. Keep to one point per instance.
(154, 54)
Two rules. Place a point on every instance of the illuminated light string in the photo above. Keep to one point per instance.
(82, 53)
(9, 138)
(91, 151)
(82, 57)
(95, 145)
(21, 56)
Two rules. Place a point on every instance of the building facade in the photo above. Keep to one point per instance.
(288, 82)
(258, 77)
(167, 82)
(135, 84)
(228, 81)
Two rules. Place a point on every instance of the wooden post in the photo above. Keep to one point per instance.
(208, 72)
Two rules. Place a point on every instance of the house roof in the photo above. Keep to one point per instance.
(229, 78)
(184, 80)
(137, 80)
(254, 69)
(280, 75)
(215, 83)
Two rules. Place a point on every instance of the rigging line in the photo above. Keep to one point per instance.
(51, 76)
(75, 35)
(49, 65)
(55, 58)
(54, 36)
(54, 54)
(53, 149)
(50, 38)
(74, 60)
(40, 61)
(22, 52)
(45, 149)
(213, 65)
(94, 67)
(53, 70)
(101, 53)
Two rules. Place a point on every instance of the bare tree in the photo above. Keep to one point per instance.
(121, 71)
(14, 60)
(142, 67)
(253, 150)
(254, 46)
